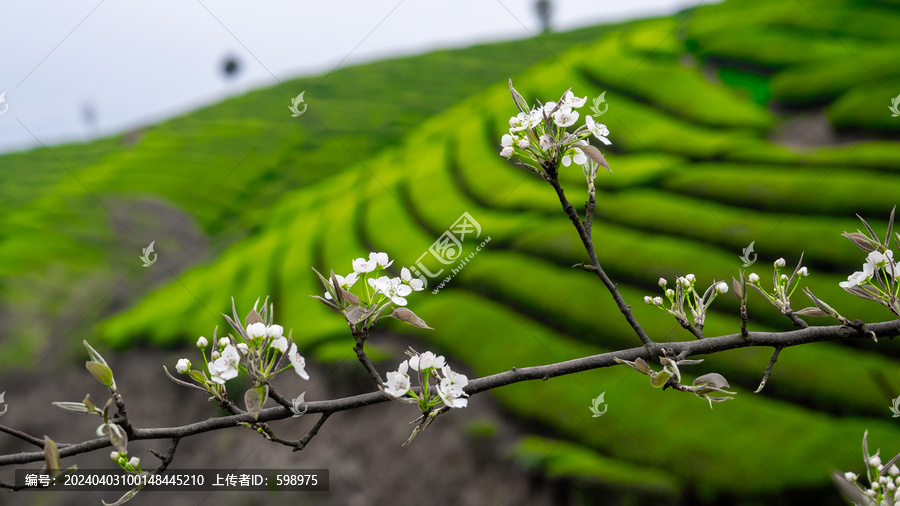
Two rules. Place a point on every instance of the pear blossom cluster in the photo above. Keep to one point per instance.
(538, 136)
(783, 286)
(883, 481)
(377, 284)
(684, 297)
(440, 384)
(877, 280)
(259, 349)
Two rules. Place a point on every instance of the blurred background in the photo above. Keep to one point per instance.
(732, 123)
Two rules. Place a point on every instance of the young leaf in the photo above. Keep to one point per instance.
(95, 357)
(811, 311)
(407, 316)
(355, 315)
(101, 371)
(77, 407)
(253, 317)
(520, 102)
(255, 398)
(595, 155)
(51, 456)
(117, 437)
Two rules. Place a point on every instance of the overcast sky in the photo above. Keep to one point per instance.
(77, 69)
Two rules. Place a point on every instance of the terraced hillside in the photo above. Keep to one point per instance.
(745, 121)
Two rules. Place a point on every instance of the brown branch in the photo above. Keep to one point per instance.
(585, 235)
(360, 336)
(679, 348)
(768, 372)
(26, 437)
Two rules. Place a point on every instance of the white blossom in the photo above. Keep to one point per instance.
(416, 284)
(571, 100)
(381, 259)
(858, 277)
(183, 366)
(574, 154)
(397, 381)
(256, 330)
(598, 129)
(565, 117)
(362, 266)
(226, 366)
(344, 282)
(298, 362)
(426, 360)
(546, 142)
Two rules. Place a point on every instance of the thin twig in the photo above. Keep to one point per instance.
(768, 372)
(585, 236)
(26, 437)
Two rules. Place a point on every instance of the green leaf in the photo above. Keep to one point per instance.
(100, 371)
(197, 376)
(255, 398)
(117, 437)
(660, 379)
(77, 407)
(51, 456)
(95, 357)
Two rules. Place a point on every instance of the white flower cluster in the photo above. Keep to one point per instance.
(440, 384)
(884, 483)
(876, 280)
(395, 289)
(259, 348)
(783, 286)
(685, 293)
(539, 139)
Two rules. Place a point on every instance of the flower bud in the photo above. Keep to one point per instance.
(183, 366)
(657, 301)
(851, 477)
(647, 299)
(894, 470)
(242, 347)
(215, 355)
(875, 460)
(784, 277)
(722, 287)
(114, 456)
(663, 282)
(223, 342)
(690, 278)
(202, 342)
(803, 272)
(753, 277)
(134, 462)
(670, 293)
(779, 263)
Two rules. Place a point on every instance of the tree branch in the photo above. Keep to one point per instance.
(585, 235)
(706, 346)
(768, 372)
